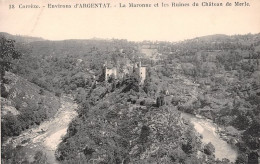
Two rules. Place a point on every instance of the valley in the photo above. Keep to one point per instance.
(46, 137)
(117, 101)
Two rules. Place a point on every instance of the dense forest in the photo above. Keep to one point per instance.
(228, 73)
(121, 121)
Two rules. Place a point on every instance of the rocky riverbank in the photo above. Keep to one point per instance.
(210, 132)
(48, 135)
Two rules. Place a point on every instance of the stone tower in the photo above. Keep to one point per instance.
(109, 71)
(140, 71)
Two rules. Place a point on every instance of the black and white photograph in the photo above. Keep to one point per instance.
(130, 81)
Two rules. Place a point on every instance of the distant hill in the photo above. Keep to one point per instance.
(21, 38)
(217, 38)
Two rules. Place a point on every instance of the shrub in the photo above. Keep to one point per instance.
(209, 149)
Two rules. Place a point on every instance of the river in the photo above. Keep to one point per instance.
(48, 134)
(208, 131)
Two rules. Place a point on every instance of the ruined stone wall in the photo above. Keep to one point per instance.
(142, 74)
(109, 72)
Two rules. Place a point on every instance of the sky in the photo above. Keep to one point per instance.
(136, 24)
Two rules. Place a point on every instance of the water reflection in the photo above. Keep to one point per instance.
(207, 130)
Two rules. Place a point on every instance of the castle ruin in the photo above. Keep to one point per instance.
(140, 71)
(137, 69)
(109, 71)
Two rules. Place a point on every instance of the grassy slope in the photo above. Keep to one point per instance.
(25, 105)
(23, 93)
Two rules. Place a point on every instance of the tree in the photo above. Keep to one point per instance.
(241, 159)
(145, 131)
(40, 158)
(7, 54)
(209, 149)
(13, 155)
(131, 82)
(10, 126)
(112, 78)
(160, 100)
(253, 158)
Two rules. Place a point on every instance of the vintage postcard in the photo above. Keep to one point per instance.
(130, 81)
